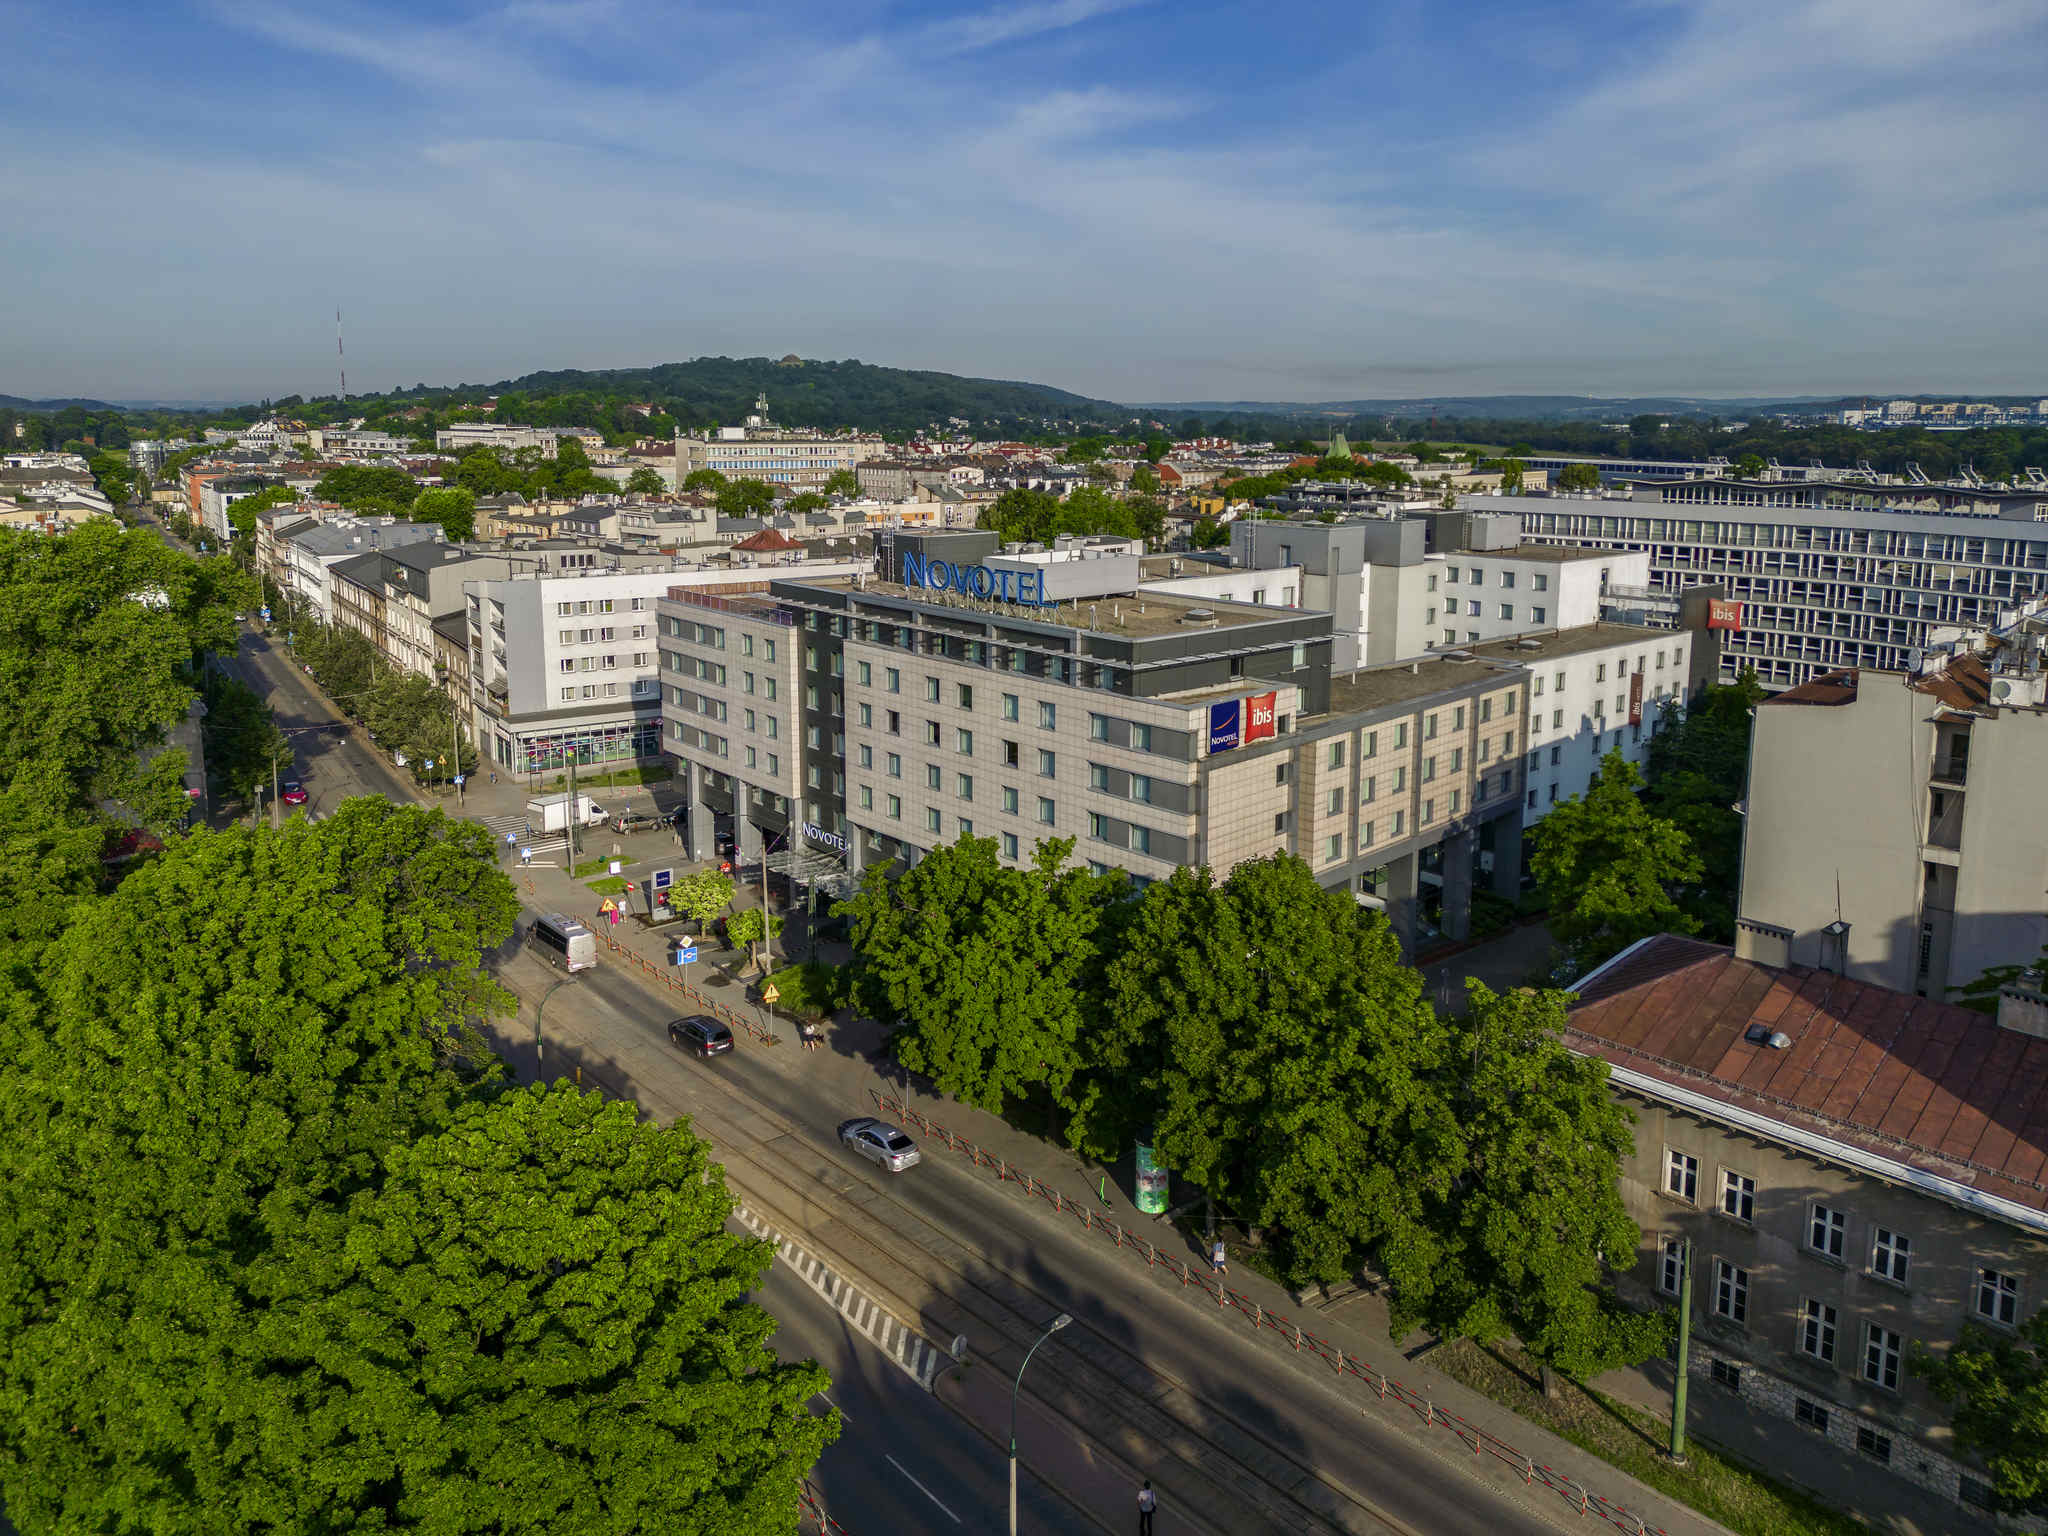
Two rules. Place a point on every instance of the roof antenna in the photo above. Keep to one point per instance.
(341, 356)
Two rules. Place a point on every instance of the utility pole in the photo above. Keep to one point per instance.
(766, 953)
(455, 747)
(273, 791)
(572, 816)
(1684, 1353)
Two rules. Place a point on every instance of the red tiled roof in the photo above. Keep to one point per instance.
(767, 541)
(1936, 1087)
(1828, 688)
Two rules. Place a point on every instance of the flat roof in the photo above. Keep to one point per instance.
(1555, 554)
(1933, 1086)
(1399, 682)
(1547, 645)
(1147, 615)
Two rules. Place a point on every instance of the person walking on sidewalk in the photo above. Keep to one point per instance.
(1148, 1501)
(1218, 1261)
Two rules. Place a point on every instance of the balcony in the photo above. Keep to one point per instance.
(1949, 772)
(1944, 824)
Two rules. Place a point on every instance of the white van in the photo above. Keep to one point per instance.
(564, 942)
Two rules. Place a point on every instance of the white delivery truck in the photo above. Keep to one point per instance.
(551, 813)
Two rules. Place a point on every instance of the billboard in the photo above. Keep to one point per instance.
(1635, 698)
(1258, 716)
(1226, 725)
(1724, 613)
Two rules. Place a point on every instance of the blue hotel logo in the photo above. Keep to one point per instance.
(1000, 586)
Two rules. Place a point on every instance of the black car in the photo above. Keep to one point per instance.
(706, 1037)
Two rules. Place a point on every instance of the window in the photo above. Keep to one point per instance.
(1045, 810)
(1827, 1232)
(1874, 1445)
(1540, 582)
(1998, 1297)
(931, 689)
(1457, 801)
(1335, 848)
(867, 714)
(1401, 734)
(963, 826)
(963, 741)
(1670, 1265)
(964, 695)
(1457, 759)
(1881, 1352)
(867, 755)
(1141, 738)
(1600, 673)
(1141, 787)
(1507, 610)
(1048, 715)
(867, 797)
(1731, 1291)
(1335, 805)
(862, 670)
(1010, 845)
(1681, 1174)
(1538, 614)
(894, 680)
(931, 733)
(931, 775)
(895, 807)
(1817, 1331)
(1010, 708)
(895, 761)
(1280, 772)
(1009, 754)
(1810, 1414)
(963, 785)
(1400, 823)
(1738, 1195)
(1478, 577)
(1428, 814)
(931, 818)
(1365, 790)
(1890, 1255)
(1336, 754)
(1429, 728)
(1428, 770)
(1048, 764)
(1364, 835)
(1400, 778)
(1724, 1374)
(1450, 573)
(1010, 799)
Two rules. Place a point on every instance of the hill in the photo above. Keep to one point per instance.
(807, 393)
(17, 403)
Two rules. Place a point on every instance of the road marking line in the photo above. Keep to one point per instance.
(827, 1396)
(920, 1487)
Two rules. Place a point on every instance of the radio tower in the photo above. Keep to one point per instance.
(341, 356)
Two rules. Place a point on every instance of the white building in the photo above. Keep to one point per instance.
(562, 662)
(759, 450)
(465, 435)
(302, 556)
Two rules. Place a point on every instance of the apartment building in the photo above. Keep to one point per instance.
(1857, 1171)
(563, 663)
(1893, 826)
(760, 450)
(395, 596)
(302, 552)
(1820, 574)
(1016, 696)
(1597, 689)
(465, 435)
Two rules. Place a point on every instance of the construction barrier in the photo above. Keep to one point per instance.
(813, 1508)
(1341, 1362)
(664, 976)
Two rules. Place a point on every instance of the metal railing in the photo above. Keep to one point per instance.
(662, 976)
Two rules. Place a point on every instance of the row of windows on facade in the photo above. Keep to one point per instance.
(600, 605)
(639, 688)
(602, 663)
(1995, 1296)
(1948, 548)
(601, 635)
(1539, 581)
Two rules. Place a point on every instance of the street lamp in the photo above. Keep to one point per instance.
(1051, 1328)
(541, 1009)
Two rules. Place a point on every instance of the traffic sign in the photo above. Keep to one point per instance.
(686, 954)
(460, 777)
(430, 765)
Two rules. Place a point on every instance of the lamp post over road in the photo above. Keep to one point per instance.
(1051, 1328)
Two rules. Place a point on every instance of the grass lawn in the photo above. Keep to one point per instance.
(592, 867)
(1746, 1502)
(589, 780)
(610, 885)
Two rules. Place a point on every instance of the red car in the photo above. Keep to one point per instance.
(294, 792)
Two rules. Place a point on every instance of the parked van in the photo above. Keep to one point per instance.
(564, 942)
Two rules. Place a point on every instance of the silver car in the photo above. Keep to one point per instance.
(880, 1142)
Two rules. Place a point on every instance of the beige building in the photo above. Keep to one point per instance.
(760, 450)
(1893, 818)
(1858, 1171)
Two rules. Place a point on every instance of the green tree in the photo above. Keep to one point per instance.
(806, 501)
(705, 480)
(1578, 477)
(1608, 867)
(645, 481)
(243, 743)
(987, 972)
(1144, 481)
(111, 473)
(452, 506)
(1697, 770)
(749, 928)
(1156, 448)
(558, 1330)
(96, 664)
(1283, 1055)
(842, 482)
(1537, 1209)
(1750, 466)
(1084, 450)
(1209, 533)
(702, 896)
(1513, 473)
(1996, 1389)
(374, 488)
(746, 498)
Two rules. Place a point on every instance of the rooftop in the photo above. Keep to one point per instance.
(1938, 1088)
(1148, 615)
(1830, 688)
(1551, 645)
(1401, 682)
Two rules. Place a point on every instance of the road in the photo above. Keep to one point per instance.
(1242, 1393)
(904, 1461)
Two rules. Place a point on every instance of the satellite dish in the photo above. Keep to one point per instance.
(2001, 691)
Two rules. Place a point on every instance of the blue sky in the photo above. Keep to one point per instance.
(1138, 201)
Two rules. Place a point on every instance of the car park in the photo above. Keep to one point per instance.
(880, 1143)
(701, 1036)
(294, 792)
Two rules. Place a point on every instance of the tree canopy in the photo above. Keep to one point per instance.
(745, 497)
(1609, 868)
(1697, 771)
(452, 506)
(1995, 1386)
(1579, 477)
(285, 1252)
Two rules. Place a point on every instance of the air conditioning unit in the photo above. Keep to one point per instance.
(2022, 691)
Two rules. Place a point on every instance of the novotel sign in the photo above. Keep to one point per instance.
(989, 581)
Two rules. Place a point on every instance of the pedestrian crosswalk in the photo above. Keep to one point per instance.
(500, 825)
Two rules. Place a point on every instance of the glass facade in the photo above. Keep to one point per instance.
(618, 743)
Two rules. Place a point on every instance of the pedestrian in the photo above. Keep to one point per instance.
(1217, 1259)
(1147, 1502)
